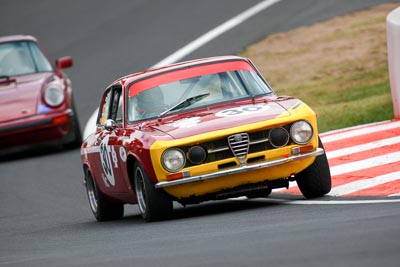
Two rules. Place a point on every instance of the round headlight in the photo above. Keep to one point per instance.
(301, 132)
(173, 159)
(54, 96)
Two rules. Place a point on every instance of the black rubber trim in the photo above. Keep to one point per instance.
(26, 126)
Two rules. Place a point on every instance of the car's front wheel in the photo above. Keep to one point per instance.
(315, 181)
(74, 137)
(154, 204)
(102, 208)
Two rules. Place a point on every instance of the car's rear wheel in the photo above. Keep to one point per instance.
(315, 181)
(154, 204)
(102, 208)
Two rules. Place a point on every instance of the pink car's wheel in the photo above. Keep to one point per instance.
(74, 138)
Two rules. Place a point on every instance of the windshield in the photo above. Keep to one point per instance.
(18, 58)
(206, 90)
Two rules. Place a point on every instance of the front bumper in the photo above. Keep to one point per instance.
(38, 129)
(241, 169)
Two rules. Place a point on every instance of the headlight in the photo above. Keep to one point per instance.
(301, 132)
(53, 96)
(173, 159)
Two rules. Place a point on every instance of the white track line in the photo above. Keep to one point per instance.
(90, 125)
(192, 46)
(214, 33)
(357, 166)
(364, 184)
(319, 202)
(362, 131)
(353, 128)
(363, 147)
(366, 163)
(331, 202)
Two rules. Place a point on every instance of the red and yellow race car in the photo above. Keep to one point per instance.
(206, 129)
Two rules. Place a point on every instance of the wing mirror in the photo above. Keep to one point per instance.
(110, 125)
(64, 62)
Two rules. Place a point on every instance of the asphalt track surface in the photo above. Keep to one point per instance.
(45, 219)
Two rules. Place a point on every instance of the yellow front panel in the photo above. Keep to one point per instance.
(216, 184)
(230, 181)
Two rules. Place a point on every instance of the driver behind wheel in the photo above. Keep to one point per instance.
(150, 103)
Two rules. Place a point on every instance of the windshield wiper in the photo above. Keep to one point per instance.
(185, 103)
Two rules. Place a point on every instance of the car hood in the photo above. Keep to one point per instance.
(19, 95)
(221, 117)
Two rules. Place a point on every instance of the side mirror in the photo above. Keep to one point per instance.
(64, 62)
(110, 125)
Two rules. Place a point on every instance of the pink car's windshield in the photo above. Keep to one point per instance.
(23, 57)
(194, 92)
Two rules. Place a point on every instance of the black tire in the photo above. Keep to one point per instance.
(74, 138)
(102, 208)
(154, 204)
(315, 181)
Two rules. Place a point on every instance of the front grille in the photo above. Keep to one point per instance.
(239, 144)
(227, 147)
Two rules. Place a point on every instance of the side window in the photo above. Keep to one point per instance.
(104, 110)
(111, 106)
(120, 111)
(117, 105)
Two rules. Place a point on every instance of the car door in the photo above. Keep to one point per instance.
(111, 157)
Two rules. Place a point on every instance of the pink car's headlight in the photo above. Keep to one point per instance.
(54, 96)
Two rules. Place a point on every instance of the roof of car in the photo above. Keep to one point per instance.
(147, 73)
(16, 38)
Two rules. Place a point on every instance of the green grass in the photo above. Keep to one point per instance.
(365, 107)
(360, 103)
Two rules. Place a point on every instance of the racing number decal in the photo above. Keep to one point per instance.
(243, 110)
(108, 157)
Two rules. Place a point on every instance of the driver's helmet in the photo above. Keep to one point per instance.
(150, 102)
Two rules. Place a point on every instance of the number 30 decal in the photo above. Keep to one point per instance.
(243, 110)
(109, 159)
